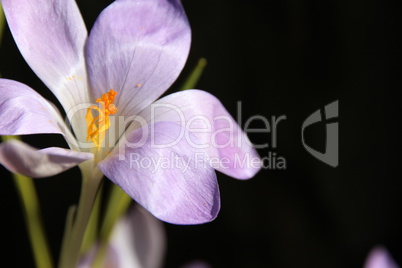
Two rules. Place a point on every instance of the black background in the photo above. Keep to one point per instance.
(279, 57)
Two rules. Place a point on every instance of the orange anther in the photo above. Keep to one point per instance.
(98, 126)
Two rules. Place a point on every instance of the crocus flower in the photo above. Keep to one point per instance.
(379, 257)
(134, 52)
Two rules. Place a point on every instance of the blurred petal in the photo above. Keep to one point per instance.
(164, 174)
(51, 36)
(380, 258)
(111, 259)
(23, 111)
(204, 115)
(138, 241)
(21, 158)
(138, 48)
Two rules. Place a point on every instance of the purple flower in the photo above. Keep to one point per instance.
(161, 152)
(379, 257)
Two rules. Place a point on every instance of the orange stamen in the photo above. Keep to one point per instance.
(98, 126)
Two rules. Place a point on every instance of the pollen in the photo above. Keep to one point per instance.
(98, 126)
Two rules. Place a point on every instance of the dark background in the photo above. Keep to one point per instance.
(279, 57)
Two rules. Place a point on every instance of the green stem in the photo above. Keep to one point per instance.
(2, 22)
(29, 200)
(91, 234)
(117, 205)
(69, 226)
(90, 185)
(195, 75)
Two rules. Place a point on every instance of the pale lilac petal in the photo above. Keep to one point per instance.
(204, 115)
(24, 111)
(51, 36)
(380, 258)
(164, 174)
(138, 240)
(111, 259)
(138, 48)
(21, 158)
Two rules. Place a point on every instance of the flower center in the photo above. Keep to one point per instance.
(98, 126)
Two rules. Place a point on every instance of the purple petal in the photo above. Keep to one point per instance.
(204, 115)
(166, 175)
(51, 36)
(23, 111)
(21, 158)
(380, 258)
(138, 240)
(111, 259)
(138, 48)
